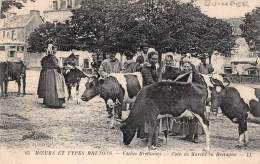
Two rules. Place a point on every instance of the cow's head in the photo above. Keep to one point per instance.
(92, 88)
(128, 133)
(217, 93)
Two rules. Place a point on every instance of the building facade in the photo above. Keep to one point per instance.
(60, 10)
(14, 33)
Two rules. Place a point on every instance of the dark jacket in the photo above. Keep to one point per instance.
(170, 73)
(150, 74)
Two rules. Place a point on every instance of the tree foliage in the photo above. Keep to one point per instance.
(8, 4)
(123, 26)
(251, 29)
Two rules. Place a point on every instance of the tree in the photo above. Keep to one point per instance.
(8, 4)
(251, 29)
(166, 25)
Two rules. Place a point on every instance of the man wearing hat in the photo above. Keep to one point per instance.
(203, 67)
(144, 52)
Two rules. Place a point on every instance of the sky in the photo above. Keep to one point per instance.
(212, 8)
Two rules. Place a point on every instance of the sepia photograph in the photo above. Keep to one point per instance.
(123, 81)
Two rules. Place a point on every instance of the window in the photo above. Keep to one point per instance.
(2, 48)
(12, 54)
(252, 72)
(20, 48)
(77, 3)
(13, 37)
(228, 70)
(7, 35)
(86, 63)
(12, 47)
(55, 5)
(62, 4)
(3, 34)
(69, 3)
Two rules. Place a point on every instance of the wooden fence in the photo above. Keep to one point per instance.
(242, 79)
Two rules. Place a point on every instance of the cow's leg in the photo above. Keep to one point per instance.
(18, 81)
(205, 125)
(152, 130)
(112, 121)
(77, 92)
(5, 88)
(118, 111)
(2, 88)
(155, 135)
(24, 84)
(111, 106)
(109, 111)
(69, 92)
(242, 130)
(151, 135)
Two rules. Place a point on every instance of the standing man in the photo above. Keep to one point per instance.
(203, 67)
(149, 71)
(95, 64)
(150, 75)
(144, 52)
(110, 65)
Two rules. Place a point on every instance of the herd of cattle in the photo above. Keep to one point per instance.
(180, 98)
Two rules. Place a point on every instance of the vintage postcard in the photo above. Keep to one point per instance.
(128, 81)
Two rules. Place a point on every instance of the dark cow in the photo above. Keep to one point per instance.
(72, 78)
(175, 98)
(116, 89)
(240, 104)
(3, 77)
(14, 71)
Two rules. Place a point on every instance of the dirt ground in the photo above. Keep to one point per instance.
(28, 125)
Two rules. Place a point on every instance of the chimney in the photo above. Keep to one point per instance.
(35, 13)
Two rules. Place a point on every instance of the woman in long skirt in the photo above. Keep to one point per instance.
(51, 83)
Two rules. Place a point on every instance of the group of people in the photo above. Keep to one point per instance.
(52, 84)
(147, 63)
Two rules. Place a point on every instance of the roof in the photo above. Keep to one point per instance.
(15, 21)
(257, 67)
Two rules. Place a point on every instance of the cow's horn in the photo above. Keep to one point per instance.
(211, 80)
(216, 84)
(227, 83)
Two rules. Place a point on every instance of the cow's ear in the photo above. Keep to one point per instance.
(218, 89)
(101, 81)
